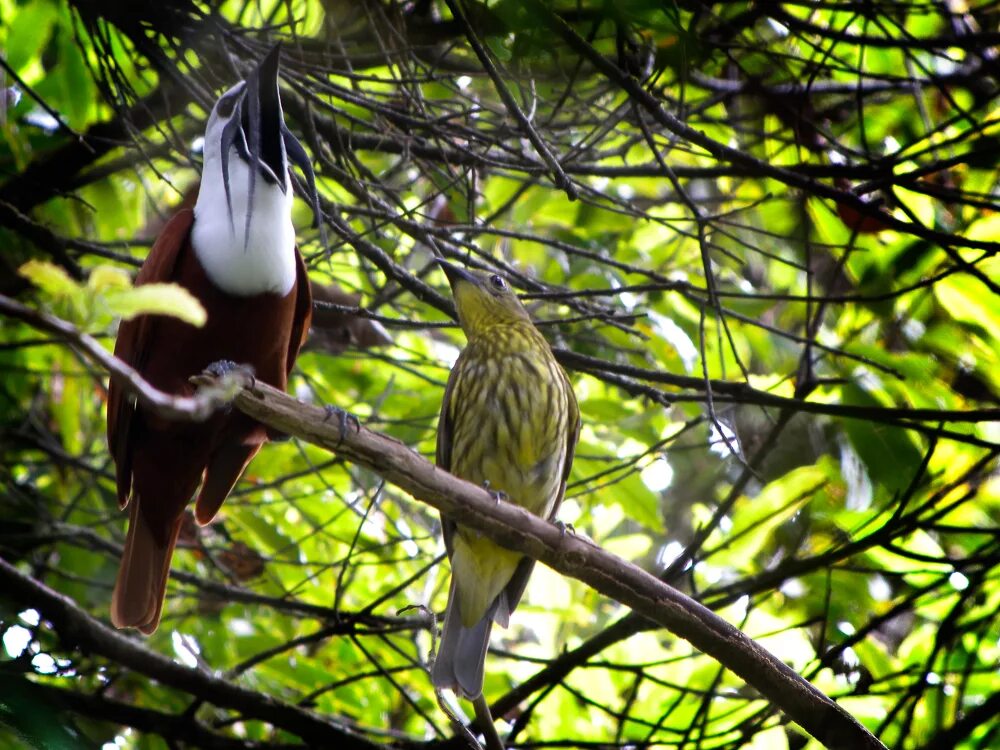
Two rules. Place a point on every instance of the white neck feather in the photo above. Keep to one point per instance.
(240, 265)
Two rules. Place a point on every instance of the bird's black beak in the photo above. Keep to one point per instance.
(263, 121)
(257, 129)
(456, 274)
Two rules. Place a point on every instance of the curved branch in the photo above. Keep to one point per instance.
(196, 408)
(517, 529)
(76, 627)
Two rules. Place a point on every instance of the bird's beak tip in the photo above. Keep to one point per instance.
(268, 68)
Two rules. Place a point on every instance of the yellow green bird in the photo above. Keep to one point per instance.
(509, 421)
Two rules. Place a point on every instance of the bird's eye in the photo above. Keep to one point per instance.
(497, 281)
(225, 106)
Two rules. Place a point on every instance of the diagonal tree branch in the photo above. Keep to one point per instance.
(514, 528)
(192, 408)
(77, 627)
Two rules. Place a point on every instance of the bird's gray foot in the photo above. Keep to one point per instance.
(224, 367)
(344, 418)
(497, 495)
(565, 528)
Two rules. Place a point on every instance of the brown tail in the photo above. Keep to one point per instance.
(142, 577)
(224, 470)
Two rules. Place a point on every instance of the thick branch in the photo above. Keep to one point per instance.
(75, 626)
(566, 553)
(171, 727)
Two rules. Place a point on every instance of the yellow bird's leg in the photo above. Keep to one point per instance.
(485, 719)
(497, 495)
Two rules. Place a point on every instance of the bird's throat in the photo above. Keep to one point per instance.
(242, 258)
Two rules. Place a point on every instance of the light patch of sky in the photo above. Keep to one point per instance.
(859, 486)
(738, 611)
(44, 664)
(410, 547)
(867, 379)
(570, 511)
(186, 649)
(445, 352)
(658, 475)
(668, 553)
(779, 29)
(879, 589)
(241, 627)
(710, 574)
(16, 640)
(119, 742)
(793, 588)
(676, 337)
(43, 120)
(722, 440)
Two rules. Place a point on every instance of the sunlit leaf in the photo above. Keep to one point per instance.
(157, 299)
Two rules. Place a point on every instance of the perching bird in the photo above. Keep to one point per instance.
(509, 421)
(236, 253)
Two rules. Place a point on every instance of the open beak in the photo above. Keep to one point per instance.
(456, 274)
(257, 126)
(263, 122)
(257, 129)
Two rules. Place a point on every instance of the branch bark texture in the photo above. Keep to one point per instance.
(570, 555)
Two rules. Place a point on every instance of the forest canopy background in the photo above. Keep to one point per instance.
(762, 238)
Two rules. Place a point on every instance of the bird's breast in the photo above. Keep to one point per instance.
(242, 258)
(510, 426)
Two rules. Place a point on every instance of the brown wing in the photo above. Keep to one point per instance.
(301, 320)
(130, 347)
(303, 312)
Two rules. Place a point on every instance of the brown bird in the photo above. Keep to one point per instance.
(236, 253)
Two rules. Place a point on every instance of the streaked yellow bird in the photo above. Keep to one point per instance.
(509, 421)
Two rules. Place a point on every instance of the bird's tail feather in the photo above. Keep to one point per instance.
(461, 656)
(142, 578)
(224, 470)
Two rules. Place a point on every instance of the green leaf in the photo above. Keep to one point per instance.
(50, 278)
(890, 454)
(157, 299)
(104, 278)
(28, 32)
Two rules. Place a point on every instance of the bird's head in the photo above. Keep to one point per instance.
(483, 300)
(247, 120)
